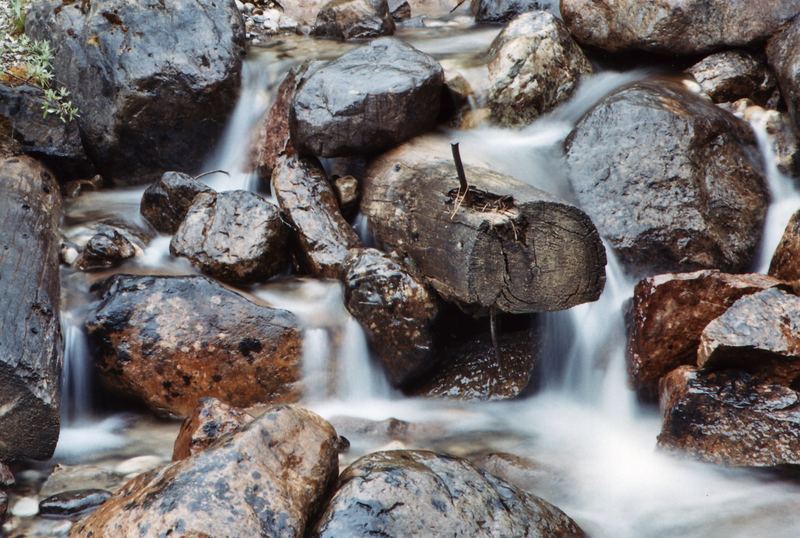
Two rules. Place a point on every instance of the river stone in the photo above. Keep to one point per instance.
(267, 480)
(354, 19)
(674, 27)
(785, 263)
(759, 333)
(237, 237)
(734, 74)
(730, 418)
(367, 100)
(668, 315)
(154, 82)
(396, 310)
(783, 53)
(501, 11)
(72, 503)
(535, 65)
(209, 421)
(172, 340)
(107, 248)
(686, 192)
(166, 202)
(421, 493)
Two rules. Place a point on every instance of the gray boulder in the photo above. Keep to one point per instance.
(500, 11)
(354, 19)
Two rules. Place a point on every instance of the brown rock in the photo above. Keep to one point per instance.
(237, 237)
(208, 422)
(166, 202)
(783, 52)
(396, 310)
(734, 74)
(172, 340)
(354, 19)
(348, 194)
(668, 315)
(785, 262)
(729, 417)
(265, 481)
(420, 493)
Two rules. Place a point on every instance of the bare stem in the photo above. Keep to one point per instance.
(462, 177)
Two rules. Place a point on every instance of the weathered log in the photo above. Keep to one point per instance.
(30, 334)
(309, 202)
(506, 245)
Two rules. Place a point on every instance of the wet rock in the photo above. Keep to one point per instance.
(785, 263)
(267, 480)
(208, 422)
(759, 333)
(469, 366)
(166, 202)
(309, 203)
(25, 507)
(55, 143)
(235, 236)
(500, 11)
(780, 134)
(81, 476)
(734, 74)
(154, 84)
(304, 12)
(729, 417)
(783, 53)
(108, 248)
(668, 315)
(522, 472)
(535, 65)
(172, 340)
(354, 19)
(664, 26)
(74, 188)
(686, 192)
(396, 310)
(400, 10)
(348, 194)
(367, 100)
(419, 493)
(73, 503)
(6, 476)
(30, 330)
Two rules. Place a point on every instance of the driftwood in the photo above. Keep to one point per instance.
(309, 202)
(503, 245)
(30, 334)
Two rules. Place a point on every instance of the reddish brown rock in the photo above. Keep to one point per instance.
(730, 417)
(208, 422)
(265, 481)
(785, 262)
(668, 315)
(169, 341)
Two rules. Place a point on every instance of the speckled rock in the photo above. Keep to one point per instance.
(209, 421)
(267, 480)
(734, 74)
(73, 503)
(354, 19)
(107, 248)
(785, 263)
(535, 65)
(419, 493)
(166, 202)
(668, 315)
(172, 340)
(237, 237)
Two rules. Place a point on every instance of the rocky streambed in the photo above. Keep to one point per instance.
(421, 268)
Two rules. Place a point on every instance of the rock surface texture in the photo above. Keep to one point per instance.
(734, 74)
(686, 192)
(354, 19)
(785, 263)
(783, 52)
(209, 421)
(500, 11)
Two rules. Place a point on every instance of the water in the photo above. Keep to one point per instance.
(594, 443)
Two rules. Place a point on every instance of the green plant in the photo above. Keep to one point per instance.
(18, 8)
(57, 102)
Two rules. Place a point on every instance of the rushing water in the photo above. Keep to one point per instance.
(594, 444)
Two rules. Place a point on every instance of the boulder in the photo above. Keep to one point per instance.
(396, 310)
(55, 143)
(535, 65)
(734, 74)
(781, 136)
(501, 11)
(670, 27)
(668, 315)
(354, 19)
(309, 203)
(209, 421)
(154, 82)
(420, 493)
(367, 100)
(169, 341)
(166, 202)
(400, 10)
(73, 503)
(785, 263)
(760, 334)
(673, 183)
(267, 480)
(783, 53)
(237, 237)
(30, 329)
(108, 248)
(730, 418)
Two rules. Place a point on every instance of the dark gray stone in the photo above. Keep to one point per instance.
(166, 202)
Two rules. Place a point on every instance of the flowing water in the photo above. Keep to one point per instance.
(593, 444)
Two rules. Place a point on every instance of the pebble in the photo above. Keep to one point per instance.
(69, 503)
(137, 465)
(25, 507)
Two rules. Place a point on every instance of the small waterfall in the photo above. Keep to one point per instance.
(76, 379)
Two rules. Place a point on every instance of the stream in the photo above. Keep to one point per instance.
(593, 445)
